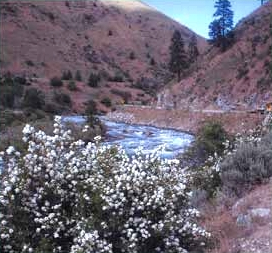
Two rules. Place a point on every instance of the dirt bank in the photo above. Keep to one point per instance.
(188, 121)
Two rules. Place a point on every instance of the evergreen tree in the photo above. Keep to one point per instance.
(67, 75)
(178, 57)
(263, 1)
(215, 32)
(78, 76)
(193, 50)
(221, 28)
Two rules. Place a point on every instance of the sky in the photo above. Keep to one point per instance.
(198, 14)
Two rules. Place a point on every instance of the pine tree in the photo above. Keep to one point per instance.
(78, 76)
(215, 32)
(263, 1)
(178, 58)
(193, 50)
(221, 28)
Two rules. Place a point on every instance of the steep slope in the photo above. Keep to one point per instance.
(239, 78)
(45, 38)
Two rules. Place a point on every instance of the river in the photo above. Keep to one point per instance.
(131, 137)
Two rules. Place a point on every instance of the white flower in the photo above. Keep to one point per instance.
(10, 150)
(97, 138)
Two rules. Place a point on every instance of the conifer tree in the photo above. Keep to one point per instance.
(221, 28)
(178, 58)
(193, 50)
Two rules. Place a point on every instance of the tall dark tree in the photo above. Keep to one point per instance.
(263, 1)
(193, 50)
(221, 28)
(178, 58)
(215, 32)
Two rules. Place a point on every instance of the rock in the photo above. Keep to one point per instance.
(260, 212)
(243, 220)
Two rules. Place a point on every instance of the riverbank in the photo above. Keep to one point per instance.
(184, 120)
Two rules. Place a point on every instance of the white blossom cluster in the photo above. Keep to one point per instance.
(64, 195)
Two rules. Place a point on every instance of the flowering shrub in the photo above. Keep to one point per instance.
(67, 196)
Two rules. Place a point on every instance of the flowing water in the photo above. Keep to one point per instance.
(131, 137)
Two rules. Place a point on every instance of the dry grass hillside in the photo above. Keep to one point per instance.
(109, 37)
(239, 78)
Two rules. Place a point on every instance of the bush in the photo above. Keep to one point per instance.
(90, 112)
(33, 98)
(125, 95)
(152, 62)
(7, 96)
(7, 117)
(72, 85)
(20, 80)
(29, 63)
(118, 77)
(132, 56)
(67, 75)
(53, 108)
(149, 85)
(263, 83)
(248, 164)
(62, 99)
(210, 139)
(106, 101)
(242, 71)
(78, 76)
(56, 82)
(9, 91)
(94, 80)
(66, 196)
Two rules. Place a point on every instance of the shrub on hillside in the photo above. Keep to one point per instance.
(20, 80)
(53, 108)
(149, 85)
(210, 139)
(7, 96)
(62, 99)
(152, 62)
(33, 98)
(78, 76)
(106, 101)
(132, 56)
(66, 196)
(72, 85)
(125, 95)
(30, 63)
(67, 75)
(94, 80)
(118, 77)
(250, 163)
(7, 118)
(10, 90)
(244, 163)
(90, 112)
(56, 82)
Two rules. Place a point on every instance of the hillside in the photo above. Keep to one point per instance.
(239, 78)
(111, 38)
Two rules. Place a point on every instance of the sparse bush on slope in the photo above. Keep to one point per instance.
(243, 164)
(66, 196)
(250, 163)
